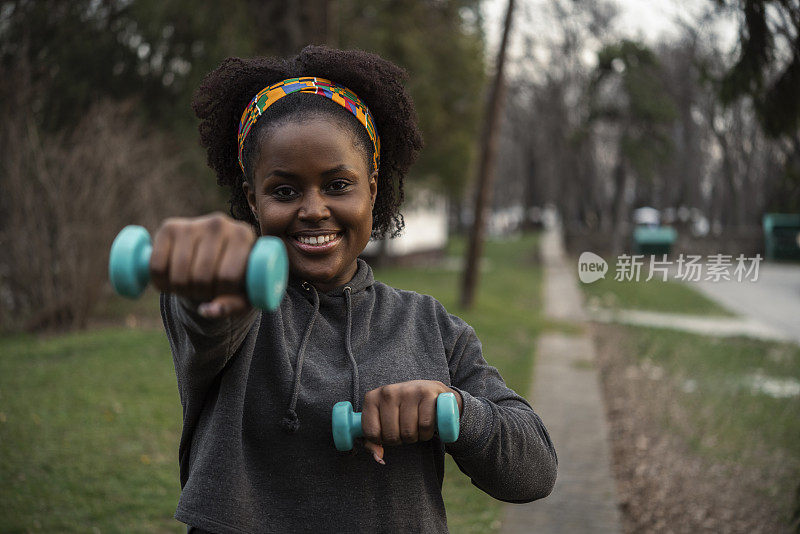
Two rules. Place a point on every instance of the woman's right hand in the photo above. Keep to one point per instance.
(204, 259)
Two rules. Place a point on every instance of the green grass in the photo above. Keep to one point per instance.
(90, 422)
(729, 420)
(89, 428)
(655, 295)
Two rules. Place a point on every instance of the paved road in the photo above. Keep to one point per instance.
(774, 299)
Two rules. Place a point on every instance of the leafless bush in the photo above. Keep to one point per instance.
(63, 199)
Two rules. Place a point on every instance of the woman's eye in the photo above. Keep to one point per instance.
(283, 192)
(338, 185)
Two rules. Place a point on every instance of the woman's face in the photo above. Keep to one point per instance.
(312, 189)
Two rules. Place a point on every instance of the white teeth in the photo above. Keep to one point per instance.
(316, 240)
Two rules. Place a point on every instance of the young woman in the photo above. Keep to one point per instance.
(314, 149)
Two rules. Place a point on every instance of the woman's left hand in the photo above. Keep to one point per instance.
(401, 413)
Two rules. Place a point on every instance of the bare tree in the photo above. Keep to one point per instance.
(64, 198)
(483, 198)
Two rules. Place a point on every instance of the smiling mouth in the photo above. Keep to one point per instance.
(318, 240)
(317, 243)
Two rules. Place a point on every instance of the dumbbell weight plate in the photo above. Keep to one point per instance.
(447, 419)
(129, 259)
(267, 273)
(346, 425)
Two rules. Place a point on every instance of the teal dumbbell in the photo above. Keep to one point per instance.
(265, 281)
(347, 423)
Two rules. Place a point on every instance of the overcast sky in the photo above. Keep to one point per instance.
(647, 20)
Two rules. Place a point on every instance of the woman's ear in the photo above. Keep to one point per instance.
(250, 195)
(373, 187)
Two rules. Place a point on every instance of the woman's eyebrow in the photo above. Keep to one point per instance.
(278, 173)
(337, 170)
(281, 174)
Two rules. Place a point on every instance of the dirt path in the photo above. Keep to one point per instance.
(663, 485)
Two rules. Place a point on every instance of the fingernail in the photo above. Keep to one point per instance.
(378, 458)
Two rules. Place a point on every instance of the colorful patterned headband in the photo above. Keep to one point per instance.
(313, 85)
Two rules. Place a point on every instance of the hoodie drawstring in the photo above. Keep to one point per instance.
(290, 421)
(349, 348)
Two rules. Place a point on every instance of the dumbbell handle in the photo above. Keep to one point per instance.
(347, 424)
(265, 281)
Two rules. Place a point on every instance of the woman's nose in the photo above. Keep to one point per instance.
(313, 208)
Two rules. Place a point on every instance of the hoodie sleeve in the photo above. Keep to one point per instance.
(200, 347)
(503, 445)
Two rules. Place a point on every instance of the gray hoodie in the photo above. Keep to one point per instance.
(257, 453)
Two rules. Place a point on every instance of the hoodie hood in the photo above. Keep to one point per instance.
(360, 281)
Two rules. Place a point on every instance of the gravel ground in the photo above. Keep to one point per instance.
(663, 485)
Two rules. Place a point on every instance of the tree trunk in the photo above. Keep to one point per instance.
(621, 184)
(483, 198)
